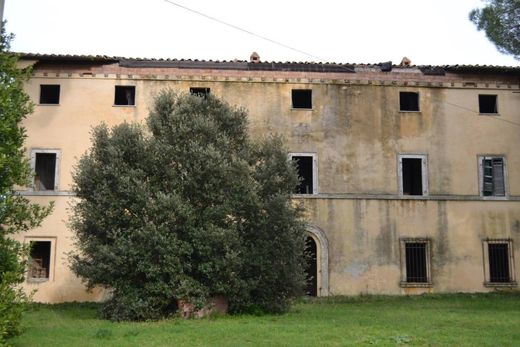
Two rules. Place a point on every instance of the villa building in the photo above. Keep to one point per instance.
(410, 174)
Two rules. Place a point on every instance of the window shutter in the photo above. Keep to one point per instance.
(498, 177)
(487, 177)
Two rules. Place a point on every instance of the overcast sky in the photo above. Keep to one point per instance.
(428, 32)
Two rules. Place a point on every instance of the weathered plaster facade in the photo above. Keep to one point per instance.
(356, 132)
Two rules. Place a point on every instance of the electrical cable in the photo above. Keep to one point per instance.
(247, 31)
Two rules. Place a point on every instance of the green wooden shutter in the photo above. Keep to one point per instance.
(487, 173)
(498, 177)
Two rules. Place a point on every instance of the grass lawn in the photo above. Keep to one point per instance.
(431, 320)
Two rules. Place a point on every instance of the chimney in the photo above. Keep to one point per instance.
(254, 58)
(405, 62)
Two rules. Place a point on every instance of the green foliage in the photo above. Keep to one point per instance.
(189, 210)
(486, 319)
(16, 212)
(500, 20)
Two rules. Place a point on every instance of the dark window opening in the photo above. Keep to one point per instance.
(408, 101)
(493, 177)
(125, 96)
(416, 262)
(412, 176)
(49, 94)
(311, 270)
(302, 98)
(499, 262)
(202, 92)
(45, 168)
(40, 259)
(487, 104)
(304, 167)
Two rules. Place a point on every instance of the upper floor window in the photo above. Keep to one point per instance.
(413, 174)
(202, 92)
(487, 103)
(306, 168)
(409, 101)
(44, 162)
(302, 98)
(49, 94)
(124, 96)
(492, 175)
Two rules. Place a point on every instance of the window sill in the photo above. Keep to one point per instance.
(37, 280)
(500, 284)
(489, 114)
(301, 109)
(123, 105)
(48, 104)
(44, 193)
(404, 284)
(402, 111)
(419, 197)
(494, 197)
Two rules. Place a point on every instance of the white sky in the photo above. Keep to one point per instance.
(428, 32)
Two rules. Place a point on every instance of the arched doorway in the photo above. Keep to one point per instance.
(318, 269)
(311, 270)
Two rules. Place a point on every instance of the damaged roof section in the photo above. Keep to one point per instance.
(51, 59)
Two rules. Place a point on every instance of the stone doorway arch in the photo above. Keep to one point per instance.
(322, 258)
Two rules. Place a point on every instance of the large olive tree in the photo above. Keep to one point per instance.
(188, 209)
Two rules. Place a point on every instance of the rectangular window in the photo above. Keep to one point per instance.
(307, 171)
(124, 96)
(202, 92)
(408, 101)
(415, 260)
(302, 98)
(413, 178)
(492, 176)
(487, 103)
(44, 162)
(498, 262)
(49, 94)
(39, 260)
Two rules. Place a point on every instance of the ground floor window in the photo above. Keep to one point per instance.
(498, 262)
(40, 259)
(415, 262)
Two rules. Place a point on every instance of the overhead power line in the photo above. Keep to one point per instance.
(245, 30)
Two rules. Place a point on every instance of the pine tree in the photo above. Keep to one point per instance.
(500, 19)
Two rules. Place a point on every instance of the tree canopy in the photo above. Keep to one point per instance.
(500, 19)
(16, 212)
(189, 209)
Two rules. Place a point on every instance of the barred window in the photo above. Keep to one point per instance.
(498, 262)
(415, 262)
